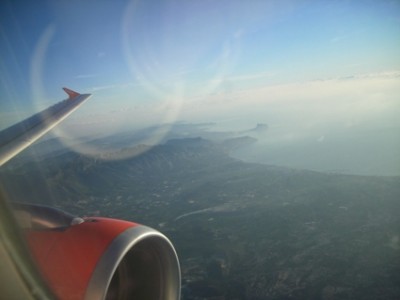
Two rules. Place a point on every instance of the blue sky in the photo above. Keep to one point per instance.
(138, 54)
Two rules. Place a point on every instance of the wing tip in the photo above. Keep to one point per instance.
(71, 93)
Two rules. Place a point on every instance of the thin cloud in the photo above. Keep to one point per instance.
(251, 76)
(356, 98)
(377, 75)
(238, 33)
(84, 76)
(113, 86)
(246, 77)
(338, 39)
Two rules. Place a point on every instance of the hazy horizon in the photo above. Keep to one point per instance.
(312, 70)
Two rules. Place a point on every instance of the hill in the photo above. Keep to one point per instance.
(242, 230)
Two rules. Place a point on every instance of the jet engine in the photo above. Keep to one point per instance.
(99, 258)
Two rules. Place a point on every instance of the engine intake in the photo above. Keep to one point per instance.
(140, 264)
(100, 258)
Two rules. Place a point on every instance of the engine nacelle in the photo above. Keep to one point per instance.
(100, 258)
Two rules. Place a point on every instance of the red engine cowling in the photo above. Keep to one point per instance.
(100, 258)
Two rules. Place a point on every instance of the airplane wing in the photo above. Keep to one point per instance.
(76, 258)
(19, 136)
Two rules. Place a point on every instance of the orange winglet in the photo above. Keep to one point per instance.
(71, 93)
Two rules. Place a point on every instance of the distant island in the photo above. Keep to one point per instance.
(260, 127)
